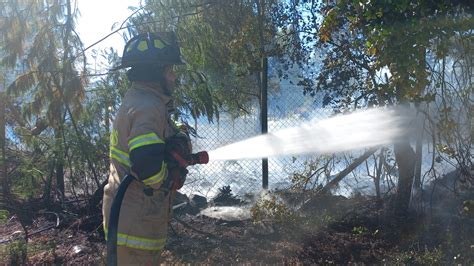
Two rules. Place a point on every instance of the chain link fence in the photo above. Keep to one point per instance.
(288, 107)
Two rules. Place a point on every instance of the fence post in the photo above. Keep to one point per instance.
(263, 85)
(264, 115)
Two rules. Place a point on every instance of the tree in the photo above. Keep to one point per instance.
(38, 37)
(103, 99)
(3, 167)
(381, 53)
(221, 43)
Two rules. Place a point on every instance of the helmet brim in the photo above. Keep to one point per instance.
(181, 61)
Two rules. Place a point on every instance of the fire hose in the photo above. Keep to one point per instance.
(179, 160)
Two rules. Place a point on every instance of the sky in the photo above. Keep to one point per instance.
(96, 20)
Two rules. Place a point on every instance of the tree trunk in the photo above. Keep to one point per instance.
(419, 148)
(3, 162)
(47, 190)
(60, 179)
(418, 161)
(405, 158)
(59, 165)
(97, 197)
(378, 174)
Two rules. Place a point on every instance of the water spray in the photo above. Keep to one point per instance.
(363, 129)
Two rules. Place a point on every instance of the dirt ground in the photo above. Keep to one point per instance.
(339, 231)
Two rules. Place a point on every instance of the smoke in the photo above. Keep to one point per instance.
(235, 213)
(228, 213)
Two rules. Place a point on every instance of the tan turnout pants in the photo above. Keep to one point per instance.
(131, 256)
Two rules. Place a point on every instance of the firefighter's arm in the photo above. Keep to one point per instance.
(147, 160)
(147, 146)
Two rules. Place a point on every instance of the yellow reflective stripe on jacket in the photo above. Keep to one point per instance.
(160, 176)
(142, 140)
(138, 242)
(121, 156)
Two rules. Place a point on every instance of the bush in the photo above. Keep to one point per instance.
(274, 210)
(17, 251)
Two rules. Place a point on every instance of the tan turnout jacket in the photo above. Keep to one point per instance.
(143, 119)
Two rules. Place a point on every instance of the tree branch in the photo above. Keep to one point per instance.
(347, 171)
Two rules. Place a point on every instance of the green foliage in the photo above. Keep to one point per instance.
(87, 155)
(226, 198)
(4, 214)
(426, 257)
(40, 37)
(27, 184)
(378, 53)
(221, 43)
(17, 251)
(274, 210)
(360, 41)
(360, 230)
(313, 173)
(63, 128)
(31, 167)
(320, 220)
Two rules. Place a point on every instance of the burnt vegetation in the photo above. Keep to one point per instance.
(55, 113)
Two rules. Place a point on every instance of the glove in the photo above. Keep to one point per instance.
(177, 177)
(177, 156)
(177, 147)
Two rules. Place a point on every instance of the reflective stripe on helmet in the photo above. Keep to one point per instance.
(138, 242)
(152, 48)
(157, 178)
(120, 156)
(142, 46)
(142, 140)
(159, 44)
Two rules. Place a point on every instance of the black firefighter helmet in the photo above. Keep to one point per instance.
(157, 48)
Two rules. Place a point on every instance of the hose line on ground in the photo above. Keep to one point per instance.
(113, 221)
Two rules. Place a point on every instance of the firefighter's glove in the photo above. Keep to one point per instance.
(177, 156)
(184, 140)
(177, 151)
(177, 177)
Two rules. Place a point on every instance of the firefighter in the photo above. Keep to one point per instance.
(137, 147)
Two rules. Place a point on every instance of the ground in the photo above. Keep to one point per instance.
(337, 231)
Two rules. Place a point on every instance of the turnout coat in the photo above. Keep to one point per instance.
(137, 143)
